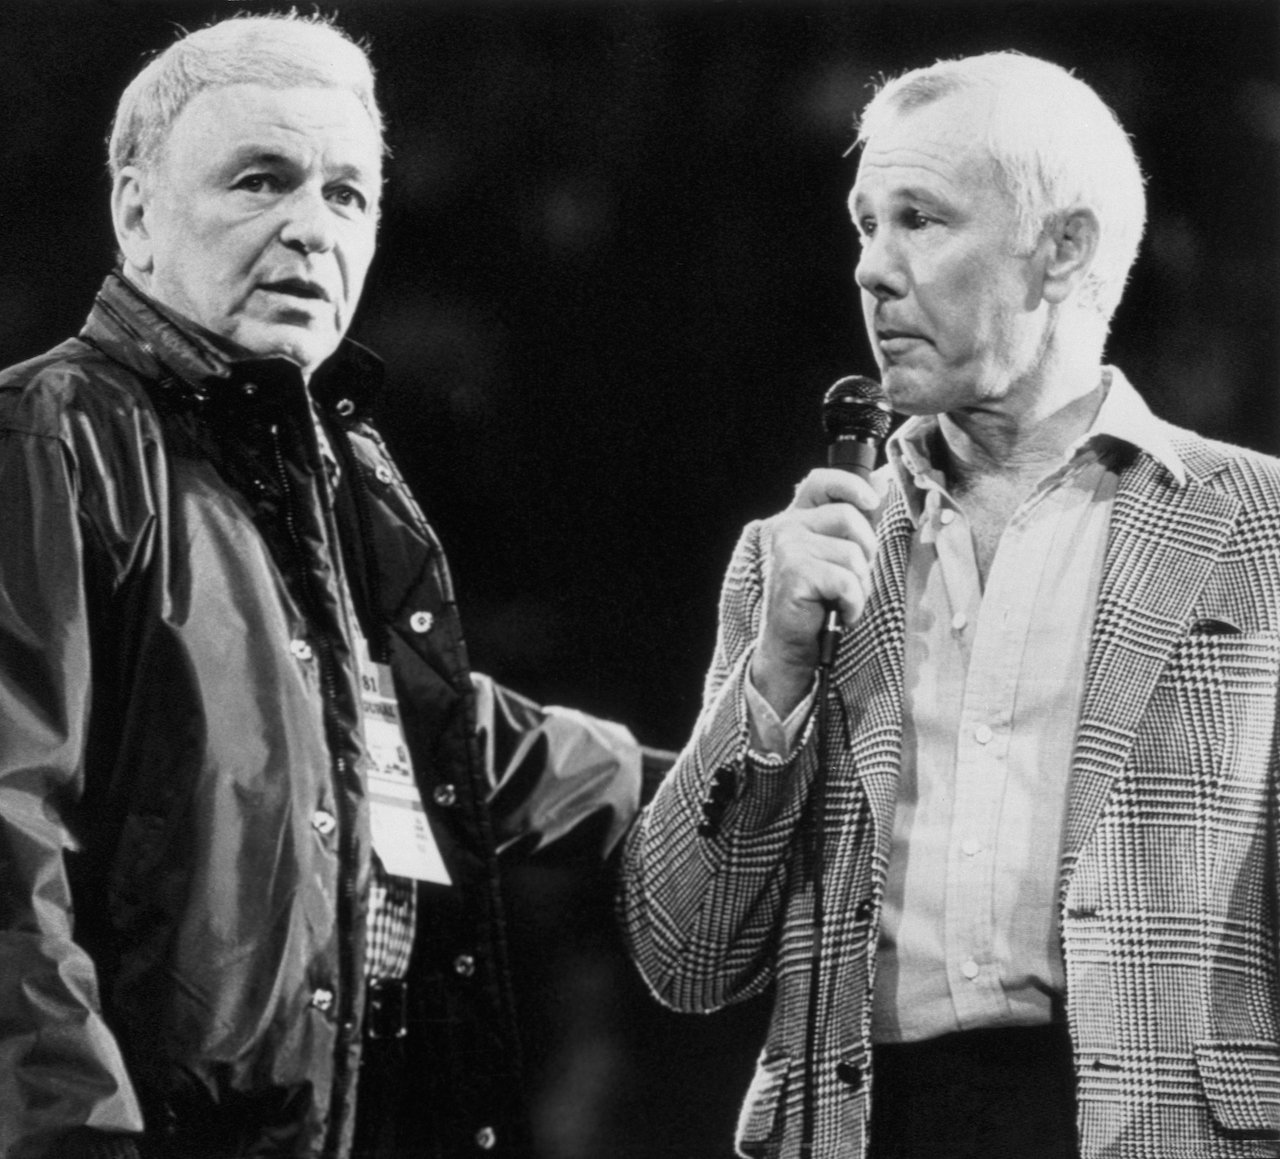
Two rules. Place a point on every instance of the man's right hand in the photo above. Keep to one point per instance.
(818, 552)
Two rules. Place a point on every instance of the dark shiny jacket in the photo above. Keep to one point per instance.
(184, 837)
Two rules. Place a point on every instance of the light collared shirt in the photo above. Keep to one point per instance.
(994, 680)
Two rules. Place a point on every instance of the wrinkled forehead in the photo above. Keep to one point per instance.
(325, 123)
(942, 143)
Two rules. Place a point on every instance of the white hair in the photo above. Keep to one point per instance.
(1056, 145)
(278, 51)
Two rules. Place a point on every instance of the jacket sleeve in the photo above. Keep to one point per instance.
(563, 783)
(707, 869)
(60, 1067)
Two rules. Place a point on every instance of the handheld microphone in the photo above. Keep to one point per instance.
(856, 418)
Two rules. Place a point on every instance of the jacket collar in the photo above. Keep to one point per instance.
(192, 369)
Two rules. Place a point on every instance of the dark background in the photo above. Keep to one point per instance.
(614, 281)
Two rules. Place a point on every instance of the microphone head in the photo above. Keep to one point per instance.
(855, 408)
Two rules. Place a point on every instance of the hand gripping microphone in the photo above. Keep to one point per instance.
(856, 418)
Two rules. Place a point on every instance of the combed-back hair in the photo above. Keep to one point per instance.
(279, 51)
(1056, 145)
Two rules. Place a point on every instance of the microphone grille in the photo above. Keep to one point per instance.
(855, 408)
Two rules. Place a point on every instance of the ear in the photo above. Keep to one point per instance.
(130, 214)
(1072, 242)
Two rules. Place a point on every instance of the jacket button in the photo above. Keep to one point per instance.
(850, 1075)
(446, 796)
(421, 622)
(322, 1000)
(323, 822)
(486, 1138)
(300, 649)
(345, 407)
(464, 965)
(863, 911)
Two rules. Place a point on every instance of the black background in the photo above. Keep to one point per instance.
(614, 280)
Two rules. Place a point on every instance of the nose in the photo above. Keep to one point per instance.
(879, 270)
(308, 226)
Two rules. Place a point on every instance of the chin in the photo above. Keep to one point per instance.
(306, 350)
(907, 395)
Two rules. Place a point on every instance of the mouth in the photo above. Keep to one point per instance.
(896, 343)
(297, 288)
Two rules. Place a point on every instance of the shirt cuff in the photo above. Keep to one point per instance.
(768, 736)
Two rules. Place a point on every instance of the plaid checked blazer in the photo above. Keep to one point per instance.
(1168, 900)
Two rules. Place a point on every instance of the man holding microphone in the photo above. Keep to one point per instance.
(1048, 845)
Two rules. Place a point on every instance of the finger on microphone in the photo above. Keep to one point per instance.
(833, 485)
(845, 529)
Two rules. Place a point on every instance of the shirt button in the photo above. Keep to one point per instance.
(970, 969)
(946, 516)
(486, 1138)
(421, 622)
(982, 734)
(322, 1000)
(324, 822)
(464, 965)
(958, 621)
(300, 649)
(383, 473)
(971, 848)
(445, 796)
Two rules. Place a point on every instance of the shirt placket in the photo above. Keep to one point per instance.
(993, 627)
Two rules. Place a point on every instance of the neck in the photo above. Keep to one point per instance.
(1026, 429)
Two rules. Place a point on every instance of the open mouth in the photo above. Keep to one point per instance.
(297, 288)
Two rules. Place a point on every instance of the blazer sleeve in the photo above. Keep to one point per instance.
(60, 1067)
(706, 869)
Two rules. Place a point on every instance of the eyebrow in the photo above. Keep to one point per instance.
(905, 193)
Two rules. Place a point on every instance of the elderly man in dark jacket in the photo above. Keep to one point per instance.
(247, 850)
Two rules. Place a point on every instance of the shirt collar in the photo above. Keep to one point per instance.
(1123, 418)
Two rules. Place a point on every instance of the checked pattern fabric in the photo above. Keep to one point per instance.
(1168, 877)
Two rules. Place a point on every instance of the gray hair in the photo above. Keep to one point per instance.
(278, 51)
(1056, 145)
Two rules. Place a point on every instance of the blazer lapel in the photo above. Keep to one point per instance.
(1164, 541)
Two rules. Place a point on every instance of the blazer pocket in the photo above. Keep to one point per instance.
(1225, 662)
(760, 1123)
(1241, 1081)
(1215, 626)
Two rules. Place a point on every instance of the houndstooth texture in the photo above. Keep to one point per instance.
(392, 913)
(1168, 882)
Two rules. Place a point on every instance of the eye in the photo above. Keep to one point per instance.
(914, 219)
(258, 183)
(348, 197)
(866, 227)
